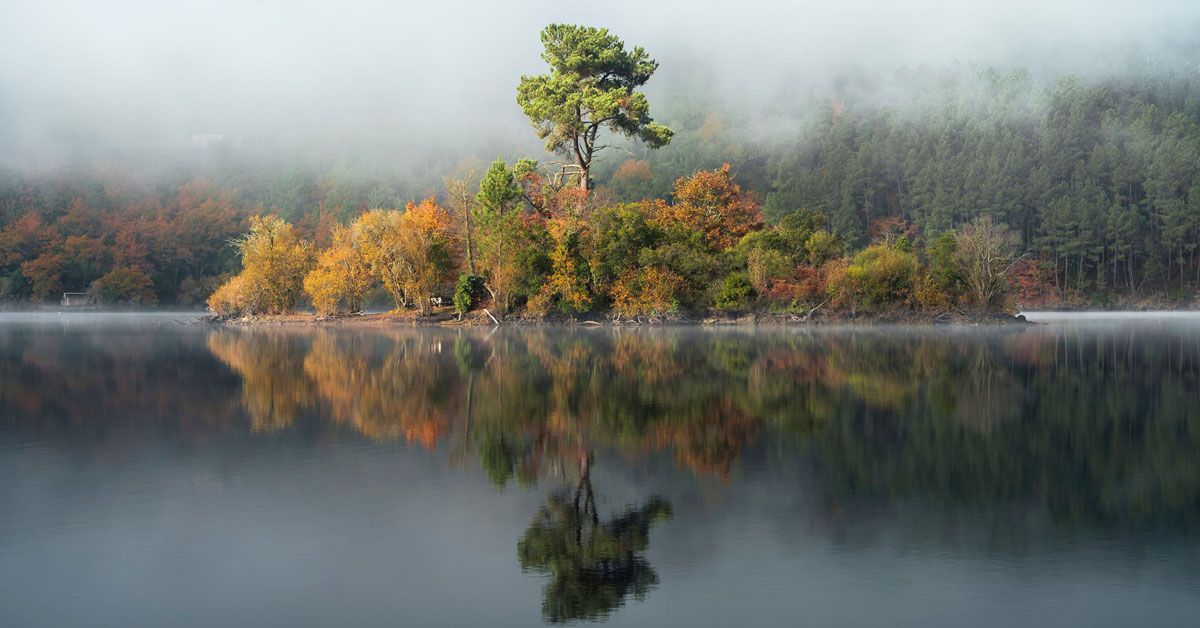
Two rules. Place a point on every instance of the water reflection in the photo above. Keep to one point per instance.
(1097, 427)
(1058, 432)
(593, 564)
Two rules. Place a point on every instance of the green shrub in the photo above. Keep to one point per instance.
(735, 292)
(877, 276)
(466, 293)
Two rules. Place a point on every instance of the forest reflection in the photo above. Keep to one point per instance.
(1086, 427)
(1099, 426)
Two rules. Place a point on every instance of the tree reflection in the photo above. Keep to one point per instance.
(1095, 427)
(593, 564)
(1092, 429)
(274, 388)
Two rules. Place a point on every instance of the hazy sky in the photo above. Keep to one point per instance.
(160, 72)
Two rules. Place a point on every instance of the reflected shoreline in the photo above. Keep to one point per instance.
(1007, 444)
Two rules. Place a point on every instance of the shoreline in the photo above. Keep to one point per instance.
(480, 318)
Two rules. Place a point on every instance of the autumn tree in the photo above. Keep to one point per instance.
(633, 179)
(712, 203)
(236, 297)
(423, 248)
(378, 235)
(876, 277)
(646, 292)
(591, 86)
(125, 285)
(44, 274)
(567, 286)
(275, 260)
(618, 234)
(340, 280)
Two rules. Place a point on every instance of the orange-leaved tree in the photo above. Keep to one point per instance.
(341, 278)
(712, 203)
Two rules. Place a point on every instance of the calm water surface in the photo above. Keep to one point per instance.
(158, 474)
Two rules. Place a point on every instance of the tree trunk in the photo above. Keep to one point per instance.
(584, 168)
(470, 246)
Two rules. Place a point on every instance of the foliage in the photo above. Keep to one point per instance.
(125, 285)
(512, 256)
(379, 233)
(686, 254)
(711, 203)
(765, 267)
(591, 86)
(618, 234)
(275, 260)
(498, 189)
(821, 247)
(566, 288)
(236, 297)
(878, 276)
(1096, 180)
(633, 179)
(735, 292)
(341, 278)
(646, 292)
(943, 282)
(466, 293)
(423, 249)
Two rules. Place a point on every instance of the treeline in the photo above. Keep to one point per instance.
(129, 247)
(520, 242)
(1099, 182)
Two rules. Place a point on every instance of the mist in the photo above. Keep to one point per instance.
(361, 79)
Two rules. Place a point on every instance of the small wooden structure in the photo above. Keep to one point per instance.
(79, 301)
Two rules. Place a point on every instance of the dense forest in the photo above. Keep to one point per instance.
(930, 189)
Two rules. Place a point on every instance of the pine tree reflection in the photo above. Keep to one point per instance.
(593, 564)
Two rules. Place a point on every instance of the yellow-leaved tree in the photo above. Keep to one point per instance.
(424, 249)
(377, 234)
(275, 260)
(409, 252)
(341, 278)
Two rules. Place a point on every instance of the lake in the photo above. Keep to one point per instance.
(154, 473)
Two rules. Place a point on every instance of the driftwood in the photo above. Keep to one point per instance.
(489, 313)
(810, 312)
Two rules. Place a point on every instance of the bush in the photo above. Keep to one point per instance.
(236, 297)
(646, 292)
(929, 295)
(735, 292)
(466, 293)
(877, 276)
(126, 285)
(765, 267)
(822, 247)
(943, 267)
